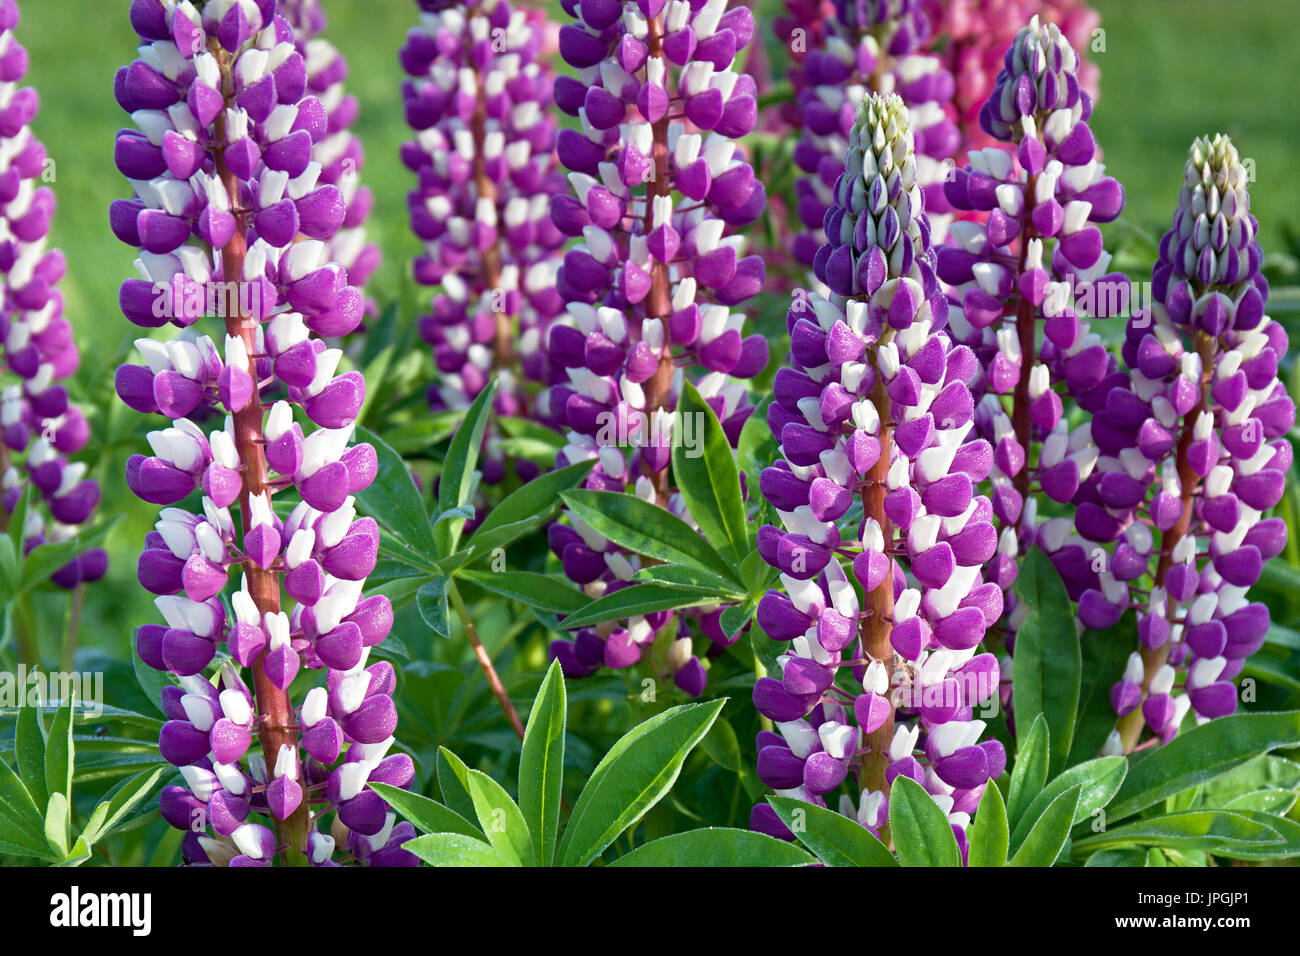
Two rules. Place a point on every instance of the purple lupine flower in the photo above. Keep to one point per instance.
(40, 426)
(339, 152)
(874, 407)
(661, 197)
(484, 153)
(1194, 451)
(1028, 277)
(869, 46)
(233, 220)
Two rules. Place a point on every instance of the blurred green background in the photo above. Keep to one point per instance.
(1170, 70)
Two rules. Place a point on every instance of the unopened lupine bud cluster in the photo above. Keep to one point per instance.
(339, 152)
(40, 427)
(874, 407)
(1194, 450)
(480, 104)
(661, 196)
(221, 164)
(1028, 276)
(972, 35)
(875, 45)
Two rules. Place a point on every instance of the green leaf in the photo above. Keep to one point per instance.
(394, 502)
(708, 480)
(60, 751)
(127, 796)
(1098, 780)
(1050, 832)
(543, 592)
(414, 438)
(1201, 754)
(500, 819)
(431, 602)
(689, 577)
(1266, 772)
(455, 849)
(638, 599)
(21, 823)
(56, 824)
(453, 781)
(1029, 773)
(1104, 654)
(541, 764)
(18, 520)
(646, 529)
(29, 752)
(527, 506)
(1124, 857)
(1214, 831)
(635, 775)
(757, 447)
(988, 835)
(837, 840)
(1266, 801)
(1048, 659)
(457, 476)
(529, 439)
(426, 815)
(722, 746)
(921, 832)
(1289, 830)
(78, 855)
(716, 846)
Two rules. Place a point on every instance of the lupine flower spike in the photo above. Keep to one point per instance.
(1027, 277)
(231, 217)
(480, 103)
(660, 197)
(970, 37)
(40, 427)
(874, 408)
(1194, 451)
(869, 46)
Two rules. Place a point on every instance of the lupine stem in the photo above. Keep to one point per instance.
(485, 660)
(658, 390)
(877, 622)
(276, 725)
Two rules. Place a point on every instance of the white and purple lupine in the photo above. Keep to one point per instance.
(1027, 277)
(661, 195)
(227, 198)
(39, 425)
(484, 153)
(877, 46)
(1193, 439)
(339, 152)
(874, 408)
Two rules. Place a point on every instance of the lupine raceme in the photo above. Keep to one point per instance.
(479, 100)
(661, 195)
(873, 409)
(1027, 277)
(233, 225)
(972, 35)
(1193, 442)
(41, 427)
(873, 46)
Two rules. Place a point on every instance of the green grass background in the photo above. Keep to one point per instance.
(1171, 70)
